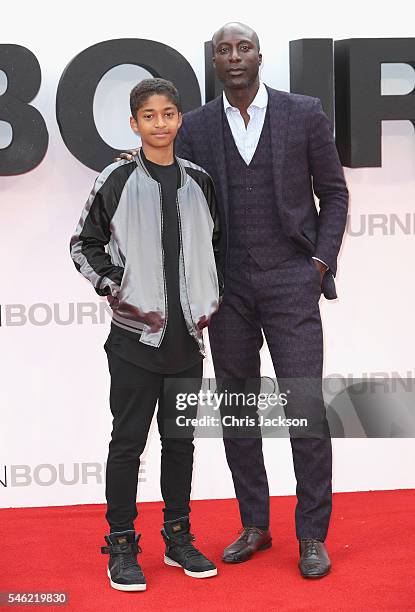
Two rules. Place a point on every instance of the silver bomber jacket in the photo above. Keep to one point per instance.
(118, 247)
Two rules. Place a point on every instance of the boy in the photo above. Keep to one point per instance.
(158, 218)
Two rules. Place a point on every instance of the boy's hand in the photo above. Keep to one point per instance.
(153, 319)
(132, 153)
(203, 322)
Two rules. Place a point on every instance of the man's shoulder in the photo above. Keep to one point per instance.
(200, 113)
(295, 101)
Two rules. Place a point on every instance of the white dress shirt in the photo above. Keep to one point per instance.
(247, 137)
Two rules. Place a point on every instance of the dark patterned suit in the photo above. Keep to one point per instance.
(271, 283)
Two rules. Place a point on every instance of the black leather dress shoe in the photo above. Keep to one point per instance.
(314, 561)
(249, 542)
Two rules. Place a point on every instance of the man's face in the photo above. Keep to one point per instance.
(157, 121)
(236, 57)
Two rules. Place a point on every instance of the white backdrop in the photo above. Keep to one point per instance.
(55, 419)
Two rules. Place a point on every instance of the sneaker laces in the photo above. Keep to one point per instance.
(128, 554)
(185, 542)
(129, 561)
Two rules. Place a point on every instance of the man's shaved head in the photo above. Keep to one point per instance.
(236, 57)
(234, 26)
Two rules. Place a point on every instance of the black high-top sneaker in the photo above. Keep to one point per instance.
(180, 551)
(124, 572)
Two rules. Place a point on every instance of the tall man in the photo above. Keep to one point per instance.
(267, 151)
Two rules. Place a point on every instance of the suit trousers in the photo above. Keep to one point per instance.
(133, 398)
(280, 303)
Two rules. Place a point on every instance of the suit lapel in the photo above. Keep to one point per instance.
(214, 121)
(279, 113)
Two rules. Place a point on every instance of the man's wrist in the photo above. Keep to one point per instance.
(321, 261)
(321, 266)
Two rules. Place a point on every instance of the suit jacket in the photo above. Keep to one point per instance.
(304, 160)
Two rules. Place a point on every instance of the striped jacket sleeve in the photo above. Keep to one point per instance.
(93, 233)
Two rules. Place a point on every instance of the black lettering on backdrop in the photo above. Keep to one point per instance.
(30, 135)
(360, 107)
(213, 87)
(312, 71)
(76, 90)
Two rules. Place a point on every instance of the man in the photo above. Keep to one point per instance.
(267, 151)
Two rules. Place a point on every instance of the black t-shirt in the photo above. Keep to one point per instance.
(178, 350)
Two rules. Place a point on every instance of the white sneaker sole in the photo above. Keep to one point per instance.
(126, 587)
(206, 574)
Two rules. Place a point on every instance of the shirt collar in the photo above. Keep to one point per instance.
(260, 100)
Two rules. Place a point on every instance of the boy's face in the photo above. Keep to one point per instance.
(157, 121)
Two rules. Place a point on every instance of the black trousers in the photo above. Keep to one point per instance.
(133, 398)
(282, 303)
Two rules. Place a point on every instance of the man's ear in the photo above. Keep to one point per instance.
(134, 126)
(180, 119)
(260, 58)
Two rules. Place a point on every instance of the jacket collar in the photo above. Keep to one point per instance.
(138, 158)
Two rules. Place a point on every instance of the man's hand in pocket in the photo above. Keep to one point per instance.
(321, 267)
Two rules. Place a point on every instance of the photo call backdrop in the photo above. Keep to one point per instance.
(64, 113)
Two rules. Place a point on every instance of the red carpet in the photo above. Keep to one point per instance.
(371, 545)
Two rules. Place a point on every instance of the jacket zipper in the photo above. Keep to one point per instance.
(184, 270)
(166, 307)
(202, 348)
